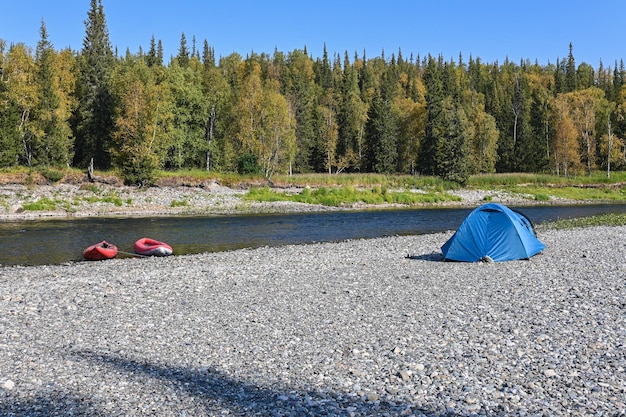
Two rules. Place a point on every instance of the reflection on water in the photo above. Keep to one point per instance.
(52, 241)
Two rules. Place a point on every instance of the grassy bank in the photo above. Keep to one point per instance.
(540, 187)
(403, 189)
(350, 195)
(350, 189)
(613, 219)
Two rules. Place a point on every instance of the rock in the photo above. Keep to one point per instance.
(405, 375)
(8, 385)
(392, 390)
(372, 397)
(16, 209)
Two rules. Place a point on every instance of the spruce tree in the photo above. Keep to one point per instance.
(535, 152)
(183, 52)
(559, 77)
(208, 56)
(151, 56)
(446, 147)
(325, 76)
(160, 52)
(571, 80)
(619, 78)
(452, 153)
(93, 121)
(54, 141)
(434, 97)
(351, 116)
(9, 119)
(301, 94)
(380, 131)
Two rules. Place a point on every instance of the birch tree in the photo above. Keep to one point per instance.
(584, 105)
(143, 123)
(21, 90)
(565, 143)
(266, 128)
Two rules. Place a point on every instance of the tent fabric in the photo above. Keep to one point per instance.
(493, 232)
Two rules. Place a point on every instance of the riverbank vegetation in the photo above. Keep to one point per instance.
(343, 189)
(273, 115)
(612, 219)
(351, 195)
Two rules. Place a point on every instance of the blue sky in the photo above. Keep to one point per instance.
(490, 30)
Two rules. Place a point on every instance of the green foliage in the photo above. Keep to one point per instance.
(111, 198)
(489, 181)
(189, 114)
(452, 150)
(610, 219)
(571, 193)
(247, 164)
(101, 196)
(349, 196)
(179, 203)
(43, 204)
(486, 181)
(93, 188)
(366, 180)
(52, 175)
(139, 169)
(298, 114)
(542, 197)
(55, 75)
(9, 136)
(93, 120)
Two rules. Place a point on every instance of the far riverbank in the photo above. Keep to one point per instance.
(22, 202)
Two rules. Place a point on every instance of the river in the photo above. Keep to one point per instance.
(54, 241)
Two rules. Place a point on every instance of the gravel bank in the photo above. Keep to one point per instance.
(352, 328)
(72, 200)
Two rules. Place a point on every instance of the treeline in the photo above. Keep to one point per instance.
(290, 113)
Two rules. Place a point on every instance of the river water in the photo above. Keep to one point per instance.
(54, 241)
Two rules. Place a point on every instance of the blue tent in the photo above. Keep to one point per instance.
(493, 232)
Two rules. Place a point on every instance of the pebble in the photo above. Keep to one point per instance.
(8, 384)
(349, 328)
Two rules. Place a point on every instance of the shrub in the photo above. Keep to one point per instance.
(179, 203)
(139, 170)
(113, 199)
(248, 164)
(91, 187)
(43, 204)
(52, 175)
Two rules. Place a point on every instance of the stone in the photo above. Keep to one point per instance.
(8, 385)
(372, 397)
(16, 209)
(405, 375)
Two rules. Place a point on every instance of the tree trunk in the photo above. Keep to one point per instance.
(610, 147)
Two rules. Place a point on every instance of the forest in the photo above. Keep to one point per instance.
(290, 113)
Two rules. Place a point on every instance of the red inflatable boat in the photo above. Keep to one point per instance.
(151, 247)
(100, 251)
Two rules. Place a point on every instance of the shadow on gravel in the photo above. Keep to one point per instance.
(437, 257)
(219, 393)
(47, 403)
